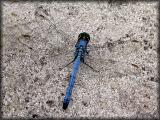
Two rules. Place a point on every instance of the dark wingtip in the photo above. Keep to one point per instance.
(65, 105)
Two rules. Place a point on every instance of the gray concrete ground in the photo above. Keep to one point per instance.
(124, 39)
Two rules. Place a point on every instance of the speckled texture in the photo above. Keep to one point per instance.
(123, 46)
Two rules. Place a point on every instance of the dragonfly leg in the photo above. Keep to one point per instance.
(87, 51)
(90, 67)
(67, 64)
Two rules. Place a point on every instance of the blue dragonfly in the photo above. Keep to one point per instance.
(79, 56)
(82, 50)
(106, 58)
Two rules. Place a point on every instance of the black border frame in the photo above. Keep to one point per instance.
(109, 1)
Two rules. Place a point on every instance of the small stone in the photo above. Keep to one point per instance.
(27, 99)
(84, 103)
(26, 36)
(145, 41)
(34, 116)
(36, 79)
(143, 68)
(43, 61)
(143, 18)
(62, 94)
(152, 78)
(145, 48)
(50, 103)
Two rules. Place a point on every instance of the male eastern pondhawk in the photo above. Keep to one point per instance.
(114, 62)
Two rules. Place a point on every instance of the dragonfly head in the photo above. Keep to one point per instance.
(84, 36)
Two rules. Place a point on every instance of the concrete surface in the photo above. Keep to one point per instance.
(124, 39)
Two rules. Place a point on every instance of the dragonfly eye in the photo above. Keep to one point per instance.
(84, 35)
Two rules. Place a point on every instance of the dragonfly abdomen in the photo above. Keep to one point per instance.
(71, 82)
(81, 46)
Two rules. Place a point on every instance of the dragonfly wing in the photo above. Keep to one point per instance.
(61, 59)
(113, 63)
(59, 52)
(58, 42)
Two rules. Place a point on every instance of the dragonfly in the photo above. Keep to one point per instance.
(82, 50)
(109, 57)
(79, 56)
